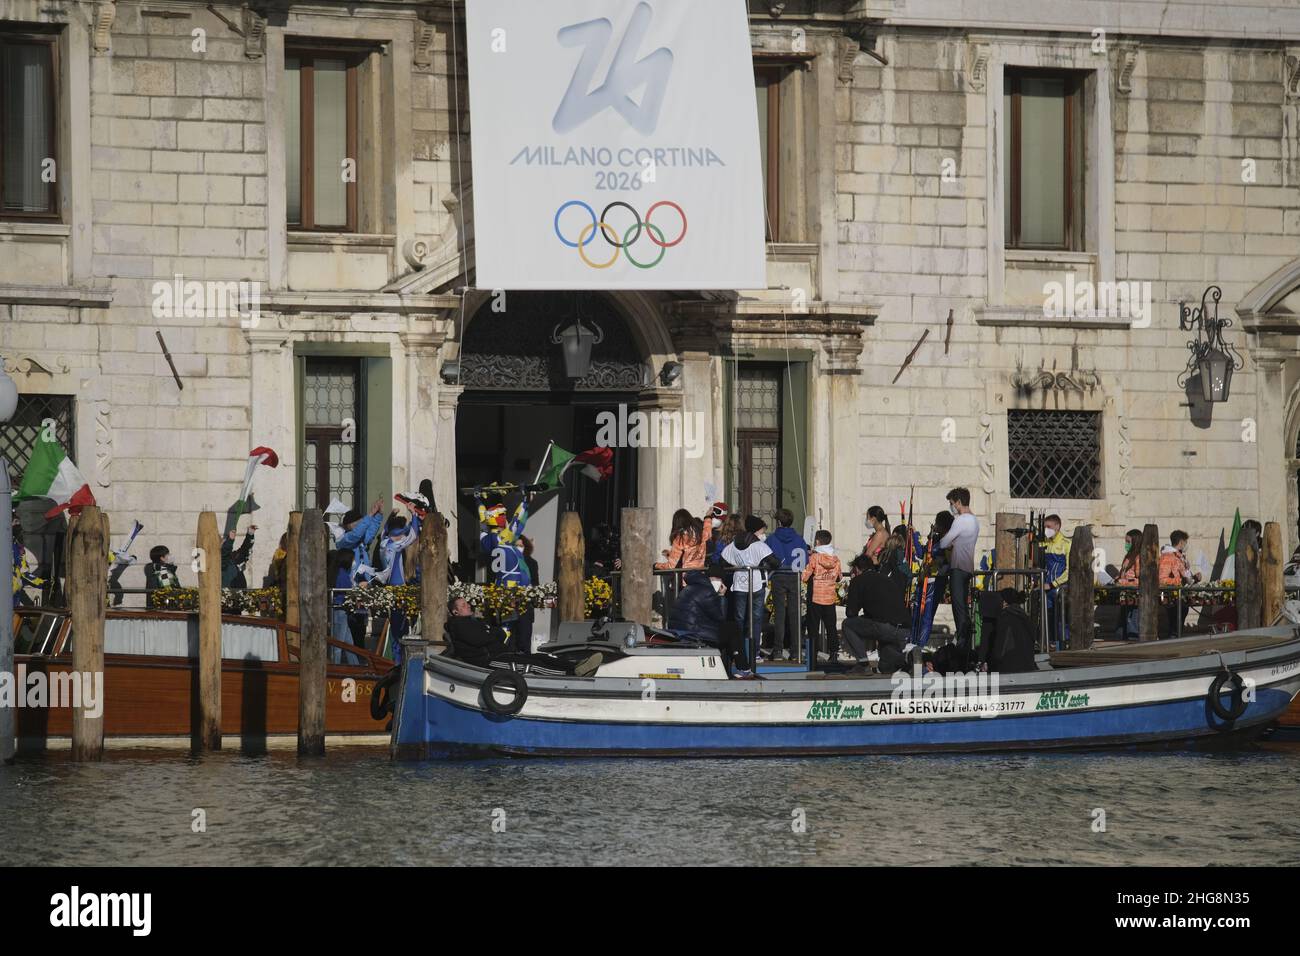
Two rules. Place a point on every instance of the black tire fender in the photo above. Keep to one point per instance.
(381, 700)
(1238, 698)
(517, 683)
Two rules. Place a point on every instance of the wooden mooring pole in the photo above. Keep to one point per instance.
(313, 628)
(1246, 570)
(1149, 585)
(291, 570)
(433, 577)
(1004, 544)
(1270, 573)
(571, 557)
(637, 550)
(87, 597)
(1080, 589)
(206, 735)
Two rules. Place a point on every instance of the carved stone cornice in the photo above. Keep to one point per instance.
(836, 329)
(27, 366)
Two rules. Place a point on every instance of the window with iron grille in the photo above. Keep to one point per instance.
(18, 436)
(1054, 454)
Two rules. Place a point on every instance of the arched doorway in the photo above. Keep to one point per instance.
(517, 398)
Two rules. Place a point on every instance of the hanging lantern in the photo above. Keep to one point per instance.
(575, 343)
(1212, 358)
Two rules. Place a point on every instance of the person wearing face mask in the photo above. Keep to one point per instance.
(1176, 572)
(961, 538)
(1129, 570)
(1056, 553)
(878, 525)
(824, 571)
(752, 558)
(714, 520)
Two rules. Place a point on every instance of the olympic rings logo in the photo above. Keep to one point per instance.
(600, 225)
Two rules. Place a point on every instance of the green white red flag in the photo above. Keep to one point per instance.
(51, 474)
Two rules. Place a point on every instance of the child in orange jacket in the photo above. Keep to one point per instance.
(824, 571)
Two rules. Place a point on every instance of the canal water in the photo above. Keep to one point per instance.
(354, 806)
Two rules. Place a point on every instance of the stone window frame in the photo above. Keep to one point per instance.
(71, 227)
(32, 35)
(994, 448)
(386, 197)
(1099, 153)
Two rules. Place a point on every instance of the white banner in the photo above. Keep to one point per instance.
(615, 145)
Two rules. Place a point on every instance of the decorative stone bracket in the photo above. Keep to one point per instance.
(1026, 381)
(1291, 72)
(979, 66)
(422, 57)
(1124, 69)
(105, 14)
(254, 25)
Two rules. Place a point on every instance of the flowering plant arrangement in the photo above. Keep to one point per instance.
(597, 595)
(257, 602)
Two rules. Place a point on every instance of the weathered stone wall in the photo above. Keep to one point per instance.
(1183, 219)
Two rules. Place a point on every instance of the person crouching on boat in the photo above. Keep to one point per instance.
(748, 552)
(1012, 649)
(700, 610)
(878, 628)
(476, 642)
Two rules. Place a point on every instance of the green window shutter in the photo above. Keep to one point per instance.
(794, 439)
(377, 431)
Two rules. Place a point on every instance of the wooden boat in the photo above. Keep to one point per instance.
(655, 698)
(150, 684)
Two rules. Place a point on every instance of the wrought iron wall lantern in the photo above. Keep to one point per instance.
(576, 342)
(1212, 358)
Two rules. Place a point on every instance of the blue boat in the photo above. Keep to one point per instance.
(652, 697)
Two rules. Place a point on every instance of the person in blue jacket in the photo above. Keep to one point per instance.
(792, 550)
(358, 533)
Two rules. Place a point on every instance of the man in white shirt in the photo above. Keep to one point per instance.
(962, 538)
(748, 588)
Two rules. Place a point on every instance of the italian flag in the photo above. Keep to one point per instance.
(596, 463)
(261, 455)
(51, 474)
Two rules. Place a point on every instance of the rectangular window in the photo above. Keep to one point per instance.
(767, 86)
(756, 462)
(320, 113)
(1043, 144)
(18, 435)
(1054, 454)
(28, 127)
(332, 409)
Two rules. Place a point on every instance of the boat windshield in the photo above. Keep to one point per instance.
(36, 633)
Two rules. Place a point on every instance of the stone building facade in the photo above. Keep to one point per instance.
(905, 145)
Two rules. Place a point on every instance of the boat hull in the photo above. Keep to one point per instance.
(1154, 703)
